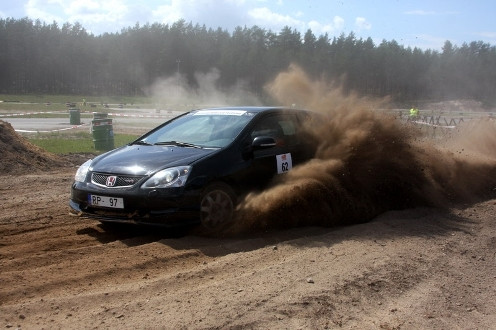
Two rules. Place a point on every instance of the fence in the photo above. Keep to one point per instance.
(441, 123)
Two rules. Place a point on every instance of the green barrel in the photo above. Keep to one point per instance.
(74, 117)
(103, 134)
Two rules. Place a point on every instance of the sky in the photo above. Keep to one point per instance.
(425, 24)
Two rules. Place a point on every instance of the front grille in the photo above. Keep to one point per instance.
(100, 179)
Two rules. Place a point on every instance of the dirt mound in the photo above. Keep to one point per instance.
(21, 157)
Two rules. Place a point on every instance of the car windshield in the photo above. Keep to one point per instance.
(203, 128)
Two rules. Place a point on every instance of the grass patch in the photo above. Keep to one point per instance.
(57, 114)
(62, 99)
(79, 142)
(35, 102)
(21, 106)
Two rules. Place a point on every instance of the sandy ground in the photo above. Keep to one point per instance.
(421, 268)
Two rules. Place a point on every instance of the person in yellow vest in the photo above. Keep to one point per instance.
(414, 112)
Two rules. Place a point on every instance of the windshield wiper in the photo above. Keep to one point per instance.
(178, 143)
(142, 142)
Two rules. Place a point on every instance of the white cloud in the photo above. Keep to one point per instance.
(319, 28)
(274, 21)
(338, 22)
(167, 14)
(226, 13)
(265, 17)
(97, 11)
(362, 24)
(90, 13)
(47, 11)
(82, 7)
(99, 16)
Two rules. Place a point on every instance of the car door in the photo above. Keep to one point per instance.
(279, 159)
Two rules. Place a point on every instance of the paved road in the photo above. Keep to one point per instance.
(121, 123)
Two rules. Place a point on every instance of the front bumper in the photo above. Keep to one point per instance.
(165, 207)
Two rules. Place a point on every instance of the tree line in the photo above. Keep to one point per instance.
(36, 57)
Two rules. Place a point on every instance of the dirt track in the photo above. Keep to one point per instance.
(419, 268)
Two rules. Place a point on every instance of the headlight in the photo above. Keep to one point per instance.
(170, 177)
(82, 171)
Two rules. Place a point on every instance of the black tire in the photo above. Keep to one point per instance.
(217, 205)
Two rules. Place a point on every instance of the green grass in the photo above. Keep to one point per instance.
(62, 99)
(57, 114)
(44, 103)
(22, 107)
(80, 142)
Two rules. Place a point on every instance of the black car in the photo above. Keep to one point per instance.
(194, 167)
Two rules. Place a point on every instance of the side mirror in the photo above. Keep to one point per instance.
(263, 142)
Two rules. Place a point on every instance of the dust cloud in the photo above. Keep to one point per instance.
(203, 91)
(367, 162)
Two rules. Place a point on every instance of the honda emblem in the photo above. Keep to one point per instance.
(111, 181)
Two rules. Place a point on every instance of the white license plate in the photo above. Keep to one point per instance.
(105, 201)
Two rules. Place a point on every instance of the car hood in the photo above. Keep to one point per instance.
(143, 160)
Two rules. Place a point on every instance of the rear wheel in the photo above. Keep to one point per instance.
(217, 205)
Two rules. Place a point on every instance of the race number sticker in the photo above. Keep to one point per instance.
(284, 163)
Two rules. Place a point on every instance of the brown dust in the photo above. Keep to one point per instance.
(367, 162)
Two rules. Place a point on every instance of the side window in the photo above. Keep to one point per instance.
(280, 127)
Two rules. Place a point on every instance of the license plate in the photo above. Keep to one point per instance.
(105, 201)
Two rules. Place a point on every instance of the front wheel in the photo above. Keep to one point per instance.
(217, 205)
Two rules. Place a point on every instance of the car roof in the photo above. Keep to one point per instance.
(250, 108)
